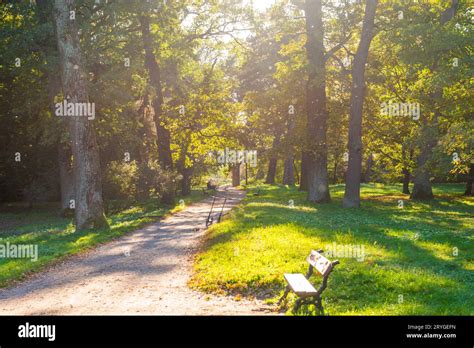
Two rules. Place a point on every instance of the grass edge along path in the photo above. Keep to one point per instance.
(419, 258)
(57, 240)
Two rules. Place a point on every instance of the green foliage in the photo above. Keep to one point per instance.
(229, 75)
(121, 179)
(132, 180)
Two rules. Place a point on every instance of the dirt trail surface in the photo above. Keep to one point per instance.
(144, 272)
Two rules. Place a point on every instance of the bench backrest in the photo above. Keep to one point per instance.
(318, 261)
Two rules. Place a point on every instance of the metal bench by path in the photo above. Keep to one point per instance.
(302, 287)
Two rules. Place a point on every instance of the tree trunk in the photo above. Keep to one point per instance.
(272, 163)
(295, 168)
(186, 172)
(406, 181)
(406, 171)
(146, 132)
(260, 173)
(236, 175)
(368, 168)
(470, 179)
(89, 209)
(334, 175)
(422, 189)
(146, 150)
(186, 182)
(246, 174)
(162, 133)
(66, 178)
(163, 136)
(304, 171)
(318, 187)
(288, 172)
(354, 168)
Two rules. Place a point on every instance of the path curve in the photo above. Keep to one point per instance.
(143, 272)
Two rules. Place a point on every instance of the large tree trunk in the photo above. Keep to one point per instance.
(288, 172)
(354, 168)
(422, 188)
(163, 140)
(146, 151)
(147, 131)
(304, 171)
(470, 179)
(49, 46)
(406, 181)
(162, 133)
(89, 209)
(272, 166)
(296, 172)
(66, 178)
(272, 163)
(318, 187)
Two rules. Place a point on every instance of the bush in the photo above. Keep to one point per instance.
(155, 180)
(139, 181)
(121, 180)
(41, 189)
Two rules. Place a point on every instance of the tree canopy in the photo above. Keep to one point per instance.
(324, 91)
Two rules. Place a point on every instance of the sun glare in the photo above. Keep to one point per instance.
(262, 5)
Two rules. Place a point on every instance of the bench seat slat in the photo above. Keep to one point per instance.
(300, 285)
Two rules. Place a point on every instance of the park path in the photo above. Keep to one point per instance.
(143, 272)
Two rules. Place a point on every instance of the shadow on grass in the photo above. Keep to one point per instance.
(57, 239)
(430, 281)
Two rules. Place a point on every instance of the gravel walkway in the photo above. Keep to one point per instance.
(144, 272)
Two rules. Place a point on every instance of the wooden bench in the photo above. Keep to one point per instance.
(211, 185)
(301, 285)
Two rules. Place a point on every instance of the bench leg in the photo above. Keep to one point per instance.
(287, 290)
(297, 305)
(319, 306)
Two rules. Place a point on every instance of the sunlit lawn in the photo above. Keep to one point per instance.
(56, 238)
(419, 259)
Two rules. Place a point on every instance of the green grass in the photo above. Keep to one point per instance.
(56, 238)
(408, 251)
